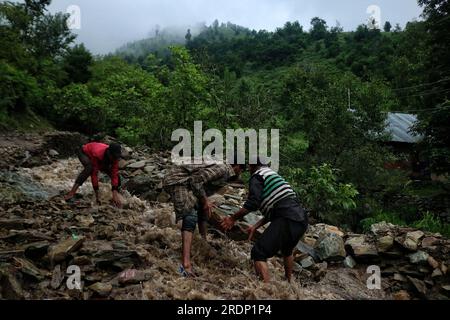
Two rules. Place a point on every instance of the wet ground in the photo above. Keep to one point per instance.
(131, 253)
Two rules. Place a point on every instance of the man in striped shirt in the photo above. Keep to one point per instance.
(274, 197)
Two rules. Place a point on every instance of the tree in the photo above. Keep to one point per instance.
(319, 28)
(434, 123)
(188, 36)
(387, 27)
(76, 63)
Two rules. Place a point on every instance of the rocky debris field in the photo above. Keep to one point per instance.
(134, 252)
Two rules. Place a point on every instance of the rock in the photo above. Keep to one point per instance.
(141, 184)
(102, 289)
(53, 153)
(398, 277)
(82, 261)
(401, 295)
(419, 257)
(163, 197)
(57, 277)
(319, 230)
(412, 240)
(86, 221)
(432, 262)
(307, 262)
(62, 250)
(122, 164)
(20, 236)
(359, 247)
(436, 273)
(419, 285)
(133, 277)
(150, 169)
(444, 269)
(16, 224)
(36, 251)
(307, 249)
(331, 247)
(10, 287)
(349, 262)
(28, 268)
(385, 243)
(381, 228)
(297, 268)
(429, 242)
(116, 259)
(137, 165)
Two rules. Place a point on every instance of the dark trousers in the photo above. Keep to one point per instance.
(87, 171)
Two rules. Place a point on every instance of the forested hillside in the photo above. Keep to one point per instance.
(329, 92)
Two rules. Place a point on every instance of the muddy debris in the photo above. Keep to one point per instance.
(135, 252)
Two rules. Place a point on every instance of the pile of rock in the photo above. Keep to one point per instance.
(413, 264)
(39, 242)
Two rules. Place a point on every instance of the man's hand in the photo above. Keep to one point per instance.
(207, 208)
(251, 233)
(227, 223)
(116, 199)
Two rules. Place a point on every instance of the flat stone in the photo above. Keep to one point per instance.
(444, 268)
(349, 262)
(86, 221)
(432, 262)
(381, 228)
(419, 257)
(401, 295)
(57, 277)
(359, 247)
(133, 276)
(36, 250)
(412, 240)
(27, 267)
(400, 278)
(385, 243)
(429, 242)
(62, 250)
(10, 287)
(82, 261)
(16, 224)
(150, 169)
(137, 165)
(418, 285)
(307, 262)
(118, 259)
(102, 289)
(437, 273)
(53, 153)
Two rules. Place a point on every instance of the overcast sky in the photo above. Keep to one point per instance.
(108, 24)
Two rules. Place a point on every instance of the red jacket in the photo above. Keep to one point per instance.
(96, 153)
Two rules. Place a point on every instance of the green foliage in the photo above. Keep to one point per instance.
(428, 222)
(431, 223)
(77, 108)
(76, 63)
(322, 193)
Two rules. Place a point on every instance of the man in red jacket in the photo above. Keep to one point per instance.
(97, 157)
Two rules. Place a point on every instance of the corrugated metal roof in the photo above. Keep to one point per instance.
(399, 126)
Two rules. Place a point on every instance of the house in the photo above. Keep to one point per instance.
(405, 144)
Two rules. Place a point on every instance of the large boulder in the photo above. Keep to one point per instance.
(330, 247)
(360, 247)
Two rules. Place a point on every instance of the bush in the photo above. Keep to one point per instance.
(322, 193)
(429, 222)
